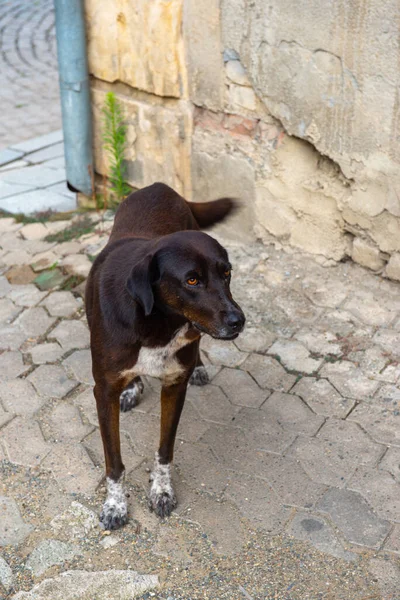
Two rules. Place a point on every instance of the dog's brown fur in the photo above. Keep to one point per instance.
(139, 302)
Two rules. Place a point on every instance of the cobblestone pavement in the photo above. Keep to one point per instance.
(287, 465)
(29, 95)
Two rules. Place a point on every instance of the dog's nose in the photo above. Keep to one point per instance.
(235, 320)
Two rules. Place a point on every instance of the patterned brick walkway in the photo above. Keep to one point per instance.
(29, 96)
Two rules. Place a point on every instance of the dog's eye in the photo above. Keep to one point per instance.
(227, 273)
(192, 281)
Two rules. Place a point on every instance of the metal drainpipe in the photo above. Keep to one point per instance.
(75, 94)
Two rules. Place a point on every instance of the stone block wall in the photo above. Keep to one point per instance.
(292, 106)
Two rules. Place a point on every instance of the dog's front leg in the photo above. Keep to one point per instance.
(162, 497)
(115, 508)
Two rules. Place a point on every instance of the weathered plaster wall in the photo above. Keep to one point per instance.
(291, 105)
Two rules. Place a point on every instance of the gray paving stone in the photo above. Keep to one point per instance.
(253, 339)
(49, 553)
(26, 295)
(39, 142)
(71, 334)
(269, 373)
(16, 257)
(326, 294)
(34, 177)
(262, 432)
(24, 443)
(87, 585)
(76, 264)
(80, 363)
(5, 417)
(376, 364)
(13, 241)
(322, 343)
(11, 365)
(8, 155)
(387, 573)
(392, 544)
(5, 287)
(290, 412)
(35, 321)
(66, 423)
(72, 468)
(11, 337)
(9, 191)
(51, 381)
(76, 522)
(295, 356)
(8, 225)
(45, 154)
(391, 463)
(381, 490)
(349, 380)
(46, 353)
(34, 200)
(258, 503)
(369, 309)
(94, 448)
(354, 518)
(6, 574)
(383, 424)
(33, 231)
(87, 404)
(212, 404)
(322, 397)
(18, 396)
(190, 460)
(13, 530)
(222, 353)
(144, 431)
(352, 438)
(8, 311)
(388, 396)
(311, 528)
(389, 340)
(240, 388)
(43, 260)
(66, 248)
(61, 304)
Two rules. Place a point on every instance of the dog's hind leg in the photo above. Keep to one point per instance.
(199, 375)
(115, 508)
(131, 394)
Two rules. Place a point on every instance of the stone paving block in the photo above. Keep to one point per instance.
(37, 200)
(61, 304)
(6, 574)
(87, 404)
(94, 447)
(290, 412)
(295, 356)
(72, 468)
(8, 191)
(24, 443)
(35, 321)
(66, 423)
(211, 403)
(388, 396)
(44, 260)
(240, 388)
(254, 339)
(11, 337)
(16, 257)
(46, 353)
(311, 528)
(49, 553)
(8, 311)
(262, 432)
(33, 231)
(55, 163)
(13, 530)
(20, 275)
(51, 381)
(5, 287)
(392, 544)
(5, 417)
(18, 396)
(352, 438)
(11, 365)
(8, 225)
(369, 309)
(349, 380)
(8, 155)
(322, 343)
(143, 430)
(258, 503)
(71, 334)
(387, 574)
(80, 363)
(222, 353)
(354, 518)
(389, 340)
(50, 279)
(66, 248)
(190, 460)
(34, 177)
(268, 373)
(380, 489)
(391, 463)
(26, 295)
(191, 427)
(45, 154)
(376, 364)
(326, 293)
(39, 142)
(382, 424)
(13, 241)
(322, 397)
(75, 523)
(76, 264)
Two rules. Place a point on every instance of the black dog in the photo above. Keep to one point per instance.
(154, 288)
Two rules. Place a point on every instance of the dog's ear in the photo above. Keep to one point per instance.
(140, 281)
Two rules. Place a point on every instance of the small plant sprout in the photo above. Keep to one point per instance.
(114, 138)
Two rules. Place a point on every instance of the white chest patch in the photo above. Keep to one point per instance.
(161, 361)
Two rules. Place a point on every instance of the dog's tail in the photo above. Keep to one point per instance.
(209, 213)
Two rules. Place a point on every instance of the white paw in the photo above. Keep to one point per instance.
(130, 396)
(115, 509)
(162, 498)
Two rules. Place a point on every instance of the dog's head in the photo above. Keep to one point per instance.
(188, 273)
